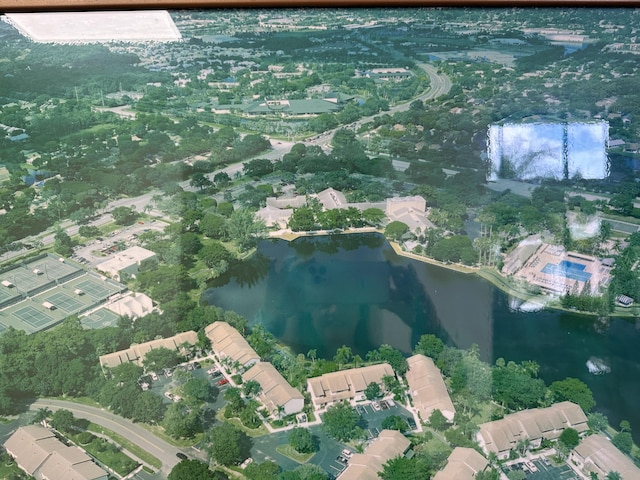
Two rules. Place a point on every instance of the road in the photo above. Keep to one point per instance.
(134, 433)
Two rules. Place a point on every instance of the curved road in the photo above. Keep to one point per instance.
(131, 431)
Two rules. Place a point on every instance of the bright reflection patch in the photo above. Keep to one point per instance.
(548, 150)
(93, 27)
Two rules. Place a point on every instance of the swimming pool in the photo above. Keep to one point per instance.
(567, 269)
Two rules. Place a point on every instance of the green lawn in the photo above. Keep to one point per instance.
(126, 444)
(109, 454)
(290, 452)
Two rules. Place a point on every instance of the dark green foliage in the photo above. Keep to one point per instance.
(262, 471)
(372, 391)
(570, 438)
(396, 230)
(395, 422)
(340, 421)
(624, 441)
(515, 388)
(402, 468)
(228, 445)
(438, 421)
(303, 441)
(63, 421)
(192, 470)
(575, 391)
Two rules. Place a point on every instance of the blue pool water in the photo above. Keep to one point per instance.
(567, 269)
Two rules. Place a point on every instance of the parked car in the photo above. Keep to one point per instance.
(197, 365)
(376, 406)
(154, 376)
(181, 456)
(412, 423)
(224, 381)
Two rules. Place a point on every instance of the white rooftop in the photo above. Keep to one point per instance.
(95, 27)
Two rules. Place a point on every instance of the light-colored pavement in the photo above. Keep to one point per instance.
(131, 431)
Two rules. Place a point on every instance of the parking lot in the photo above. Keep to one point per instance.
(331, 456)
(543, 470)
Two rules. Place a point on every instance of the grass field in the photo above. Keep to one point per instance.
(126, 444)
(290, 452)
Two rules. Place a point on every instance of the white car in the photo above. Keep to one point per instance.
(376, 406)
(154, 376)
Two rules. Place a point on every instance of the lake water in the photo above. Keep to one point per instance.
(324, 292)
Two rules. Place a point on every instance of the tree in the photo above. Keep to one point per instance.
(228, 445)
(160, 358)
(245, 228)
(63, 245)
(215, 255)
(63, 421)
(393, 357)
(613, 475)
(199, 389)
(597, 421)
(429, 345)
(302, 220)
(191, 470)
(396, 230)
(340, 421)
(124, 215)
(258, 167)
(302, 440)
(214, 226)
(342, 356)
(262, 471)
(372, 391)
(575, 391)
(251, 388)
(624, 441)
(181, 422)
(570, 438)
(395, 422)
(403, 468)
(199, 180)
(438, 421)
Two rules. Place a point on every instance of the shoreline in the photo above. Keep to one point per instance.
(493, 277)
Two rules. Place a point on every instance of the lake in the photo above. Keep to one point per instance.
(324, 292)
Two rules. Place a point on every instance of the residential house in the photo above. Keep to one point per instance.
(365, 466)
(136, 353)
(463, 464)
(347, 385)
(597, 454)
(530, 427)
(38, 452)
(227, 342)
(275, 392)
(427, 388)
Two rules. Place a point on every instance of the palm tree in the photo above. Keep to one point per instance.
(312, 354)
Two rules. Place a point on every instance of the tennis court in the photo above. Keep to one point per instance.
(100, 319)
(96, 288)
(35, 318)
(82, 292)
(65, 302)
(7, 294)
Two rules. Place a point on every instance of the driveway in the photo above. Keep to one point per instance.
(133, 432)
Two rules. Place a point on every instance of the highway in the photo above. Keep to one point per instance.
(133, 432)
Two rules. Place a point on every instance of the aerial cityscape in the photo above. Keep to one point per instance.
(308, 244)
